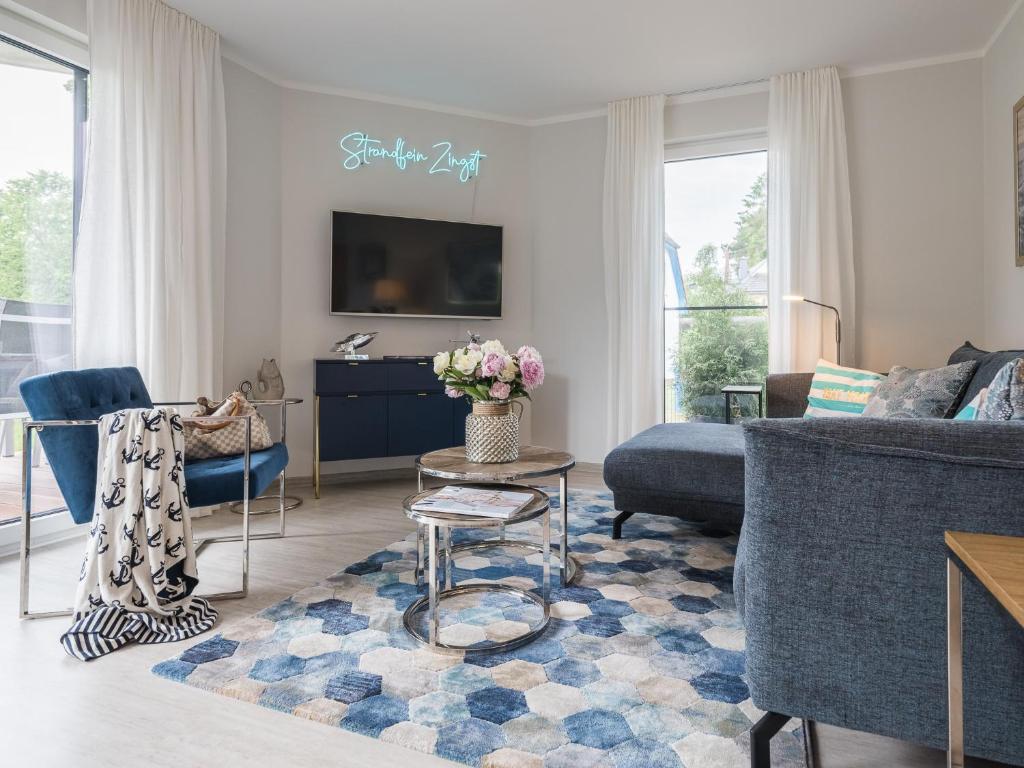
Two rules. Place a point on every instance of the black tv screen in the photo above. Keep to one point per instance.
(391, 265)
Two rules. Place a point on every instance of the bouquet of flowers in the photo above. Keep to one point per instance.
(487, 373)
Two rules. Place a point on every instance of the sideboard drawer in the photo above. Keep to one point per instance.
(415, 376)
(345, 377)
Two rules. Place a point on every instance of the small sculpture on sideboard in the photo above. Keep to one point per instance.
(346, 348)
(269, 382)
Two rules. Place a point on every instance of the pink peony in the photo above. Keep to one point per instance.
(533, 373)
(492, 364)
(500, 390)
(452, 392)
(528, 353)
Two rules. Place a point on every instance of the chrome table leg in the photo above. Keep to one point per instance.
(432, 618)
(563, 504)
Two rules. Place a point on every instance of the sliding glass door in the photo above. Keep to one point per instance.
(716, 283)
(41, 154)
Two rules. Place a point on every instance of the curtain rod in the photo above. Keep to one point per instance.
(694, 91)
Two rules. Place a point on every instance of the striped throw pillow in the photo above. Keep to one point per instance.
(839, 391)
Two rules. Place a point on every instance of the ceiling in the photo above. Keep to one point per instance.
(534, 59)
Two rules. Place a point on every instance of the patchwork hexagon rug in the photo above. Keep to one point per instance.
(642, 665)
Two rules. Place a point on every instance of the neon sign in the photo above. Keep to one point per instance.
(359, 149)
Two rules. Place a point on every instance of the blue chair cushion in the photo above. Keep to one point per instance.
(219, 480)
(71, 451)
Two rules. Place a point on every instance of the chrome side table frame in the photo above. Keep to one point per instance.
(438, 528)
(568, 567)
(291, 502)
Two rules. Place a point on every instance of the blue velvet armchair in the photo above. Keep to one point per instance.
(65, 408)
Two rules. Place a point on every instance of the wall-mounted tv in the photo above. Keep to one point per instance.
(391, 265)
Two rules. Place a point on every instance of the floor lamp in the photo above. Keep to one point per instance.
(839, 325)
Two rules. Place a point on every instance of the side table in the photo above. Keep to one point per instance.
(730, 390)
(438, 526)
(996, 563)
(534, 462)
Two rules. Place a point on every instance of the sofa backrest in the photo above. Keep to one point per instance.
(989, 364)
(79, 395)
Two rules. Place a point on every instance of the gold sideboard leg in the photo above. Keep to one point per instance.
(316, 447)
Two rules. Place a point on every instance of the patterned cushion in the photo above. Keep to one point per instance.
(931, 393)
(1005, 399)
(970, 411)
(839, 391)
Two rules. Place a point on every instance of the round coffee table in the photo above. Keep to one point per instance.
(438, 526)
(534, 461)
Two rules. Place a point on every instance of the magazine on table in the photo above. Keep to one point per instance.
(478, 502)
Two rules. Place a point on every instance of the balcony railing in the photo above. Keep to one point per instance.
(707, 348)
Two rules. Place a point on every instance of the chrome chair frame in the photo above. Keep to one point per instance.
(29, 427)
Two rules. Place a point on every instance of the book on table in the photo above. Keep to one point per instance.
(474, 502)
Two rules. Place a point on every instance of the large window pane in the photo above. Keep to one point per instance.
(716, 283)
(40, 152)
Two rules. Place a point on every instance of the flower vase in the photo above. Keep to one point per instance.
(492, 433)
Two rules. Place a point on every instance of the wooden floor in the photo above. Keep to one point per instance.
(55, 711)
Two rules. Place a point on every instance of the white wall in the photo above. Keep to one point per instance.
(1004, 281)
(314, 183)
(915, 150)
(252, 300)
(569, 326)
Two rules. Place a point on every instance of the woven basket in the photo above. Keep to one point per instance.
(492, 434)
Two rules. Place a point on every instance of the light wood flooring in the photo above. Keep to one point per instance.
(55, 711)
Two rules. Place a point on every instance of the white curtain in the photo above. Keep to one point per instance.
(810, 238)
(634, 242)
(149, 269)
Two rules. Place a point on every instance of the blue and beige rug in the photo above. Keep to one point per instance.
(642, 665)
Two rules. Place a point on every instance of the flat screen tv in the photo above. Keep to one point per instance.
(391, 265)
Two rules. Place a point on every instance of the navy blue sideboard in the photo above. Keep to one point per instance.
(366, 409)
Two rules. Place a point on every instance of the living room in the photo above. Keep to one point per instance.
(602, 266)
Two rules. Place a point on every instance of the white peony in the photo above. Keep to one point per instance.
(493, 346)
(467, 360)
(441, 362)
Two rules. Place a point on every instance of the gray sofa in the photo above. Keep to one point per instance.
(693, 470)
(840, 571)
(840, 575)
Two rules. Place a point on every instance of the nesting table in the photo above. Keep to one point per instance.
(996, 563)
(534, 462)
(438, 526)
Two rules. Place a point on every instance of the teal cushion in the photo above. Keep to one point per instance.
(970, 411)
(219, 480)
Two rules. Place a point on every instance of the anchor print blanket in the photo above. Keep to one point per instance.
(139, 571)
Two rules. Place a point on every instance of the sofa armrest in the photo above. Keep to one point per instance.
(786, 395)
(840, 574)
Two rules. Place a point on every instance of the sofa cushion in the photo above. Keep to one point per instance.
(695, 461)
(932, 393)
(1005, 399)
(989, 364)
(839, 391)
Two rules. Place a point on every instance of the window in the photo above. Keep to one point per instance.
(716, 282)
(41, 159)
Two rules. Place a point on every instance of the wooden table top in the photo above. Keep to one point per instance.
(997, 562)
(533, 461)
